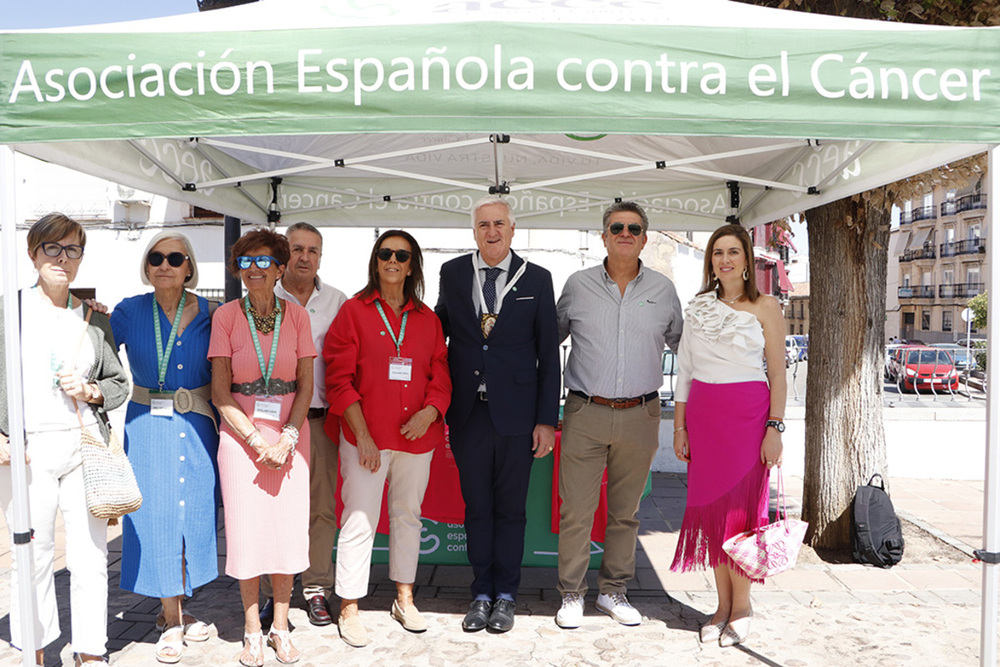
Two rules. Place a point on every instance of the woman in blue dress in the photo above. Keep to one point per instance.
(169, 545)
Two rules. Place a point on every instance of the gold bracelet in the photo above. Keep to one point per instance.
(682, 428)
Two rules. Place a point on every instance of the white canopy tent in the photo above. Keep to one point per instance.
(406, 112)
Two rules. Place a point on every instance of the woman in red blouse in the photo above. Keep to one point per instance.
(387, 374)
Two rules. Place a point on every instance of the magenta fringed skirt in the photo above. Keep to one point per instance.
(727, 484)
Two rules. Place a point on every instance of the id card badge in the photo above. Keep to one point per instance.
(267, 408)
(161, 403)
(400, 368)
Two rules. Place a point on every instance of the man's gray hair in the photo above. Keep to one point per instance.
(304, 227)
(486, 201)
(629, 206)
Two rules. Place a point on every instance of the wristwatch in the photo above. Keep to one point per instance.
(777, 424)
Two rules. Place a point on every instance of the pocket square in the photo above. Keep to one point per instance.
(524, 298)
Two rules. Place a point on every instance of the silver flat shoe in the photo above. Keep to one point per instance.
(736, 632)
(711, 632)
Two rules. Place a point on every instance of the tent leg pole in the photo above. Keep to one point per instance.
(991, 538)
(231, 227)
(20, 521)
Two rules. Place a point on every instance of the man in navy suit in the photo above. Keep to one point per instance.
(498, 312)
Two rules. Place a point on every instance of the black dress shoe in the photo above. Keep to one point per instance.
(319, 611)
(266, 614)
(502, 617)
(477, 616)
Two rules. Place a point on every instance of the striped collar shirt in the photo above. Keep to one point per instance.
(618, 341)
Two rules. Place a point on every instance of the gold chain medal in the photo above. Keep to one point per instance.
(486, 322)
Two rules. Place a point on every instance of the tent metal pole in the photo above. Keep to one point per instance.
(231, 233)
(991, 535)
(20, 519)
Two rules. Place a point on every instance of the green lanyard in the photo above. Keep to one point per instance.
(402, 327)
(162, 358)
(264, 373)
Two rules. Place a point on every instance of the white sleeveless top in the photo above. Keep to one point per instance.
(719, 345)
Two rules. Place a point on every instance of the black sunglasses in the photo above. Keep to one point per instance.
(385, 254)
(53, 249)
(174, 259)
(634, 228)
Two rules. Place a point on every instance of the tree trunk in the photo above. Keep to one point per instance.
(845, 439)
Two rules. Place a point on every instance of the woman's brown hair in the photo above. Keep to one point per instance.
(710, 282)
(259, 237)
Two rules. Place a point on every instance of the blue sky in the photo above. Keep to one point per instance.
(58, 13)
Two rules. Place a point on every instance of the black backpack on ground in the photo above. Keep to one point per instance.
(876, 533)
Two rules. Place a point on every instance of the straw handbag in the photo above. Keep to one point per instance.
(770, 549)
(108, 479)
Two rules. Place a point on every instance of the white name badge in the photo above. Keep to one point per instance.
(267, 409)
(161, 407)
(400, 368)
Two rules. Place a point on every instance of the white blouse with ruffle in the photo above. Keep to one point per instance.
(719, 345)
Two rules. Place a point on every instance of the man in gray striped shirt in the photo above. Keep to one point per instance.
(619, 315)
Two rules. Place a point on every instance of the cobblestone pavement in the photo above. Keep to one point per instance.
(817, 614)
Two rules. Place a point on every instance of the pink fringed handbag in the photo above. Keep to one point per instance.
(770, 549)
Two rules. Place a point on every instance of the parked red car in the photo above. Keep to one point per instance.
(922, 367)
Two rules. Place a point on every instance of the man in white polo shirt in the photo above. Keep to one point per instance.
(302, 286)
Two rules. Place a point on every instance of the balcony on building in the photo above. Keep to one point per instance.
(960, 290)
(917, 214)
(964, 247)
(915, 292)
(976, 200)
(927, 252)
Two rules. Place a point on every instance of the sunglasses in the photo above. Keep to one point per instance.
(174, 259)
(634, 228)
(53, 249)
(262, 262)
(385, 254)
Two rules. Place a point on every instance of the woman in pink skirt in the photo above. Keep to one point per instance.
(262, 364)
(728, 421)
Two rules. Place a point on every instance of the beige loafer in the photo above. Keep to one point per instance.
(410, 618)
(352, 631)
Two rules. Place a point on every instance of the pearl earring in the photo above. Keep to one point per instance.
(745, 276)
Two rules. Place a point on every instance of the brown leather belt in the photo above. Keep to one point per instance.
(617, 403)
(316, 413)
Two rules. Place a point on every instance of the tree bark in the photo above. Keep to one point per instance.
(845, 438)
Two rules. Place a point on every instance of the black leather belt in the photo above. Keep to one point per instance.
(481, 395)
(316, 413)
(617, 403)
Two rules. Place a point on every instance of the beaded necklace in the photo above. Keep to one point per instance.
(264, 323)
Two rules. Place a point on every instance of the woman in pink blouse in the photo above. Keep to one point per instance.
(262, 360)
(387, 374)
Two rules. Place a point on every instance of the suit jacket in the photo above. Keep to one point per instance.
(520, 357)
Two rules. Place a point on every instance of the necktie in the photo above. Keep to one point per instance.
(490, 288)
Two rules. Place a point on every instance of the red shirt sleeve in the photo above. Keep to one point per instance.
(341, 348)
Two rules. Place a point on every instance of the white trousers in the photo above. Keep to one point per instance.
(407, 476)
(55, 481)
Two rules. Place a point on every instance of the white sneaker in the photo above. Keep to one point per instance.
(617, 607)
(571, 613)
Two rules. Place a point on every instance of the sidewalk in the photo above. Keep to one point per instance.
(817, 614)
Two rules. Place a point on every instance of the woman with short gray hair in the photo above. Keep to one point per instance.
(171, 437)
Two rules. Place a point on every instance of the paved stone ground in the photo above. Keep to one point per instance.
(820, 613)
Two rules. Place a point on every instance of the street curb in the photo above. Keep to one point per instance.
(944, 537)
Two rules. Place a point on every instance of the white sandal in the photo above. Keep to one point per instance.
(166, 643)
(254, 643)
(194, 630)
(284, 642)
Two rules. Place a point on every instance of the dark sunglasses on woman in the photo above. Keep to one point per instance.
(616, 228)
(262, 261)
(174, 259)
(385, 254)
(53, 249)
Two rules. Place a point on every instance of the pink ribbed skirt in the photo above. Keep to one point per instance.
(727, 483)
